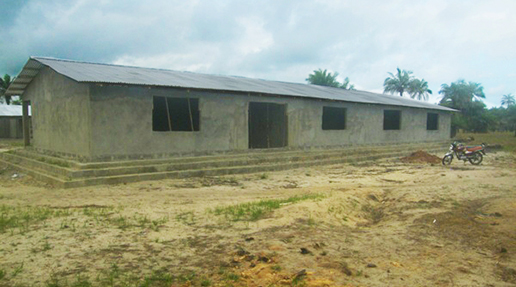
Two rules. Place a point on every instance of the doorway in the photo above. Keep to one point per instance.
(267, 125)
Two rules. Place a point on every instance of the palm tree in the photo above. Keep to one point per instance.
(508, 100)
(419, 89)
(460, 94)
(323, 78)
(398, 83)
(4, 84)
(346, 85)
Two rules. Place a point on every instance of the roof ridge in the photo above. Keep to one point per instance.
(161, 69)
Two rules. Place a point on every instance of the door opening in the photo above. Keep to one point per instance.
(267, 125)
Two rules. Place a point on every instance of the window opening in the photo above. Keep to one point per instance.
(432, 121)
(334, 118)
(391, 119)
(175, 114)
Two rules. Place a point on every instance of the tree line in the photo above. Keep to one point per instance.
(466, 97)
(4, 84)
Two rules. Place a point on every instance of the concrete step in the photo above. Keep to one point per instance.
(56, 168)
(255, 154)
(73, 174)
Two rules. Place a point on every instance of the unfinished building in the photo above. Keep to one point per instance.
(98, 112)
(102, 124)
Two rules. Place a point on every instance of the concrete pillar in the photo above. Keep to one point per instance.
(26, 132)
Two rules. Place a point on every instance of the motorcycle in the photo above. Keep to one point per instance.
(473, 154)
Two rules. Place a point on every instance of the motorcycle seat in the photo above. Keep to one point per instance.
(474, 148)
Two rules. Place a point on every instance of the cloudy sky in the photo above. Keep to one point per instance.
(439, 40)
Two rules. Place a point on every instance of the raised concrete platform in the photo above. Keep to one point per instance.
(65, 173)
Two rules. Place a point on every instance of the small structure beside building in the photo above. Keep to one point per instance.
(11, 126)
(99, 112)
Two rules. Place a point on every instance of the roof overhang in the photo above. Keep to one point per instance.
(27, 74)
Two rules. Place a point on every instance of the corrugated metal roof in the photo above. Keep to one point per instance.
(10, 111)
(114, 74)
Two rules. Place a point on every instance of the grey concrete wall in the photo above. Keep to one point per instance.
(11, 127)
(364, 125)
(96, 121)
(122, 123)
(60, 114)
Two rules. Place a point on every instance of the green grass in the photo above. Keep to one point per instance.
(506, 139)
(253, 211)
(27, 218)
(24, 218)
(186, 218)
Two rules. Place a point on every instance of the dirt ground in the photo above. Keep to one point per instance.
(384, 223)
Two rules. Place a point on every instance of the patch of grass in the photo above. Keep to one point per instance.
(264, 176)
(187, 218)
(253, 211)
(82, 281)
(189, 277)
(340, 211)
(2, 274)
(298, 281)
(205, 282)
(53, 281)
(232, 276)
(17, 270)
(27, 218)
(506, 139)
(24, 218)
(46, 246)
(375, 214)
(158, 278)
(157, 223)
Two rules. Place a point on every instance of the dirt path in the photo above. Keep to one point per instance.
(384, 223)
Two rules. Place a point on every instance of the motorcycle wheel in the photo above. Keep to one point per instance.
(447, 159)
(476, 158)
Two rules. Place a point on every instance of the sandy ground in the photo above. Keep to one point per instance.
(386, 223)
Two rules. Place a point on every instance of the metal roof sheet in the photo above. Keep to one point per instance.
(11, 111)
(114, 74)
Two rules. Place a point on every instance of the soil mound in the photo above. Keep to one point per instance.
(421, 157)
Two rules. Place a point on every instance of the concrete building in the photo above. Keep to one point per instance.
(97, 112)
(11, 122)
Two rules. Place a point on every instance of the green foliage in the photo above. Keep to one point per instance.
(4, 84)
(508, 100)
(398, 83)
(418, 89)
(403, 81)
(465, 96)
(158, 278)
(325, 78)
(346, 85)
(253, 211)
(459, 95)
(22, 218)
(506, 139)
(503, 119)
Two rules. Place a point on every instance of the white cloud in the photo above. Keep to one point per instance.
(439, 40)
